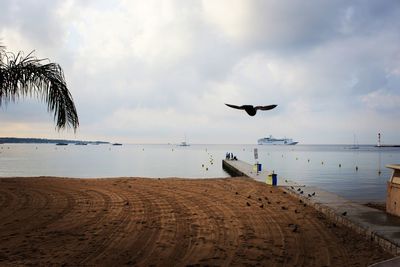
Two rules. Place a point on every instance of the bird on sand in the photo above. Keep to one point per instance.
(252, 110)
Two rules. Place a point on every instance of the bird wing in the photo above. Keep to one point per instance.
(266, 107)
(233, 106)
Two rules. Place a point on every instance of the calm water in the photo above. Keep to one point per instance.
(301, 163)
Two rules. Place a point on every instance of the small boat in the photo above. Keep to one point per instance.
(61, 144)
(117, 144)
(183, 144)
(81, 144)
(355, 144)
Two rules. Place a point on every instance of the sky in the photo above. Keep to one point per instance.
(156, 71)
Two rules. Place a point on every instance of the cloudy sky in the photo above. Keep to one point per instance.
(155, 71)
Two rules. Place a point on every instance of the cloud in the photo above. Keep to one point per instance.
(153, 71)
(382, 100)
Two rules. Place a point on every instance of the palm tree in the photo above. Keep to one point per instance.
(22, 76)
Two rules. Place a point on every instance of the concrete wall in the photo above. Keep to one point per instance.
(231, 170)
(393, 199)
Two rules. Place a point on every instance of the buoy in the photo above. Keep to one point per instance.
(206, 169)
(297, 158)
(308, 160)
(356, 168)
(322, 162)
(379, 172)
(202, 165)
(340, 165)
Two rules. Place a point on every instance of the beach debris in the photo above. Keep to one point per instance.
(301, 201)
(290, 224)
(266, 198)
(259, 199)
(344, 213)
(301, 192)
(284, 193)
(206, 169)
(127, 203)
(251, 110)
(309, 195)
(340, 165)
(249, 196)
(298, 189)
(292, 187)
(296, 211)
(284, 208)
(322, 163)
(356, 168)
(248, 204)
(308, 160)
(262, 206)
(236, 193)
(270, 191)
(295, 228)
(305, 205)
(269, 202)
(286, 181)
(313, 194)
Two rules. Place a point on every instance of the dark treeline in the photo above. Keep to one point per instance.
(15, 140)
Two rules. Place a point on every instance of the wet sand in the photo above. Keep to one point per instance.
(168, 222)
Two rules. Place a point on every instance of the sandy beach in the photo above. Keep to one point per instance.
(168, 222)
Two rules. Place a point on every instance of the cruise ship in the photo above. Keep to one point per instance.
(275, 141)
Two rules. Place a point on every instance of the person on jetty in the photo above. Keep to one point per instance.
(230, 156)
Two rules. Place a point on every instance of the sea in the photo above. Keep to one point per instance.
(356, 174)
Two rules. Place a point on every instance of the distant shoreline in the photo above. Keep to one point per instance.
(17, 140)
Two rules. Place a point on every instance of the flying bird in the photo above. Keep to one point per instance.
(251, 110)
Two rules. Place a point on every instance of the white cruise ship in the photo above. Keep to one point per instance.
(275, 141)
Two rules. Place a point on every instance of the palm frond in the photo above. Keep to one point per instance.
(22, 76)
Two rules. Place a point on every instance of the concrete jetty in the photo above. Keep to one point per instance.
(375, 225)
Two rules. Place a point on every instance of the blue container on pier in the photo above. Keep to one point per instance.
(274, 179)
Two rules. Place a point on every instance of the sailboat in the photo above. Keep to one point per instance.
(184, 143)
(355, 144)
